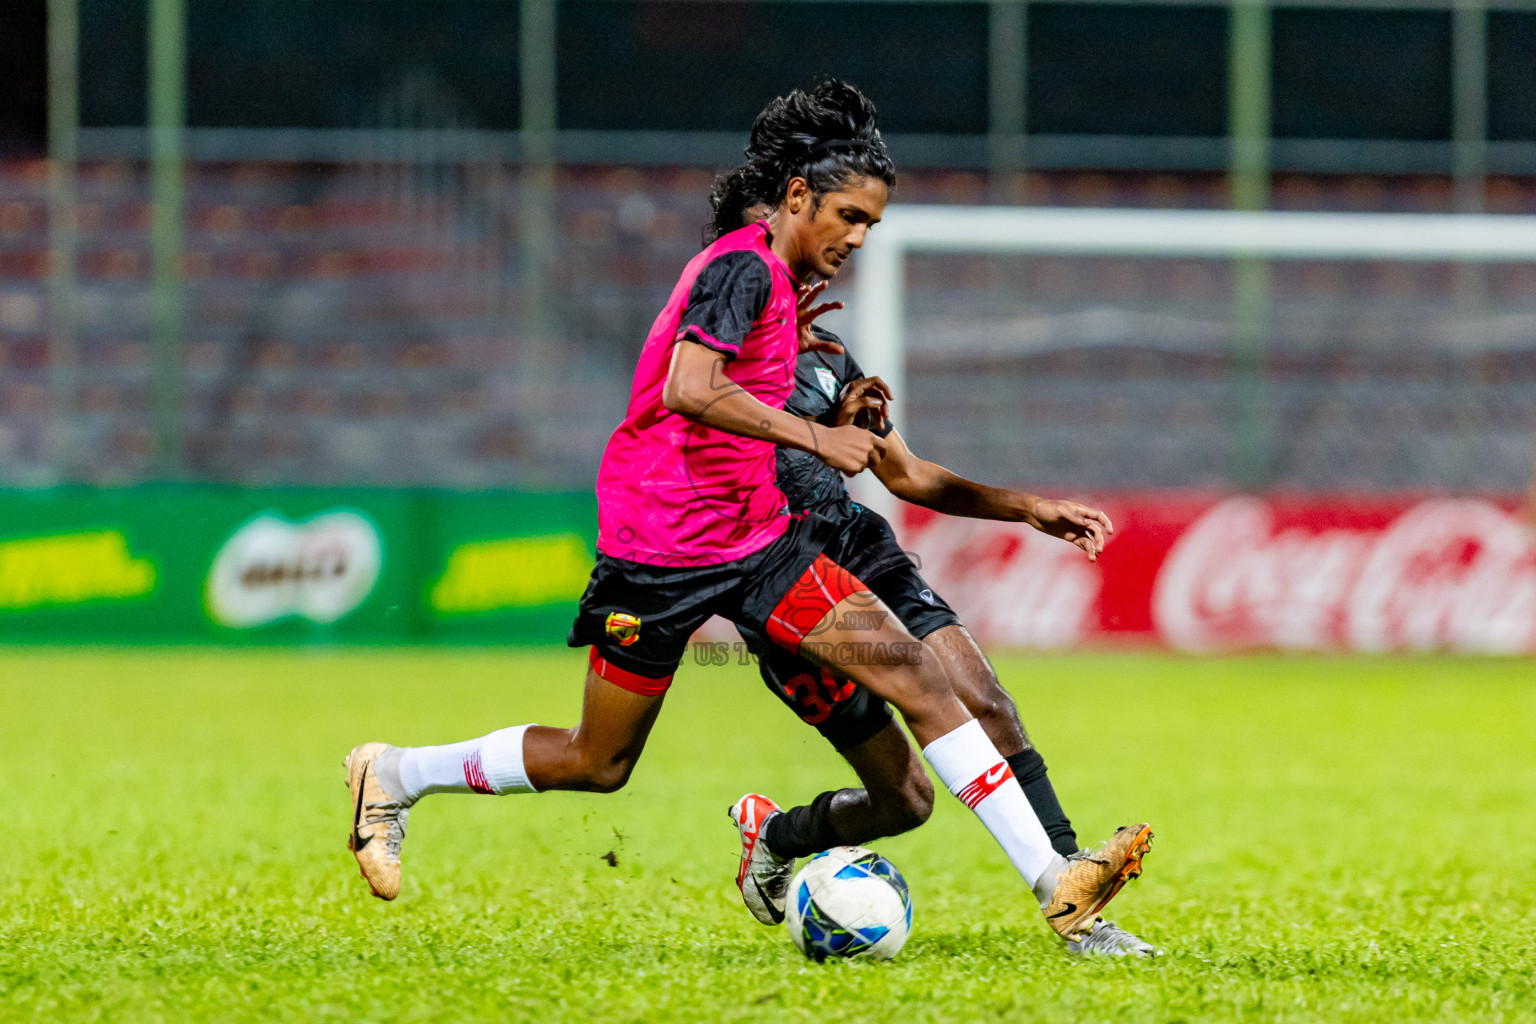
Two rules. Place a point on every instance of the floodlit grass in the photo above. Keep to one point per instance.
(1337, 840)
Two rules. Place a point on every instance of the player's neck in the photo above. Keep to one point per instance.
(781, 244)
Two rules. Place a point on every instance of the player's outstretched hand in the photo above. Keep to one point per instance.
(865, 403)
(807, 312)
(1086, 527)
(849, 449)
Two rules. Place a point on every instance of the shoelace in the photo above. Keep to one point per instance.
(1088, 854)
(397, 815)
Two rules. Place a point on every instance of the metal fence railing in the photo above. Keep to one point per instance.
(375, 322)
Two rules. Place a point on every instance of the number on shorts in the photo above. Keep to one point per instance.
(815, 695)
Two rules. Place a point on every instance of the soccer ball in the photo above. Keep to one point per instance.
(849, 902)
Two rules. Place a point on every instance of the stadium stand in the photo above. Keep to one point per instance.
(364, 322)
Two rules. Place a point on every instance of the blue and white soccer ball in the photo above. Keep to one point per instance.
(849, 902)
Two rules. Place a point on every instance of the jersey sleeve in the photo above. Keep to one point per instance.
(729, 294)
(849, 372)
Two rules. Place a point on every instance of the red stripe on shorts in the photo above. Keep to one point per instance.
(631, 681)
(814, 594)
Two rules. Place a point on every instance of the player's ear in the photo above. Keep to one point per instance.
(795, 194)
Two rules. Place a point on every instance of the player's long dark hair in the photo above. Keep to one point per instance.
(826, 136)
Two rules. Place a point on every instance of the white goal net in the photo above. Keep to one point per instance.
(1095, 348)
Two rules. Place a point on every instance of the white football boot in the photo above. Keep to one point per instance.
(764, 876)
(1106, 938)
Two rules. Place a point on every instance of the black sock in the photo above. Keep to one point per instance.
(804, 830)
(1029, 768)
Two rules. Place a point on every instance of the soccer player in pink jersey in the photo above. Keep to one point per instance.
(691, 523)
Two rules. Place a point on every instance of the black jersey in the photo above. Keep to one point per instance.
(820, 377)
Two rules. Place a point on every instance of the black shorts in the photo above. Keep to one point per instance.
(638, 618)
(862, 541)
(844, 712)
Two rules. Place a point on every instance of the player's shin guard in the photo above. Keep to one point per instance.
(968, 763)
(491, 764)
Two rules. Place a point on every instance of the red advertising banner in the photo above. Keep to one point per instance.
(1223, 572)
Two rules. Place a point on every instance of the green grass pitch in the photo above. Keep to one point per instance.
(1336, 840)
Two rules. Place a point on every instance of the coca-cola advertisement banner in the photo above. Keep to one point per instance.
(1224, 572)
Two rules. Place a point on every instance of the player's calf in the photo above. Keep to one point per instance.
(895, 813)
(976, 684)
(846, 817)
(899, 792)
(583, 769)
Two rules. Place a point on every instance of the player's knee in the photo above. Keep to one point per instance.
(915, 810)
(610, 779)
(919, 800)
(993, 708)
(909, 806)
(608, 774)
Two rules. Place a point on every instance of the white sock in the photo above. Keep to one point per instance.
(970, 766)
(490, 764)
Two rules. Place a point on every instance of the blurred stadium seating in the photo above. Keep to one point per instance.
(352, 323)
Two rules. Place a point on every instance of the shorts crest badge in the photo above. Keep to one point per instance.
(828, 381)
(623, 627)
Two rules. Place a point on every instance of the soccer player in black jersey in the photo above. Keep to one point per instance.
(832, 389)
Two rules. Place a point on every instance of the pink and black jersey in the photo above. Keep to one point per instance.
(673, 492)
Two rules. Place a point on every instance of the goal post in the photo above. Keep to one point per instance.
(880, 312)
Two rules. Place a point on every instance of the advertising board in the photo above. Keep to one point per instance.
(1225, 572)
(231, 565)
(1194, 572)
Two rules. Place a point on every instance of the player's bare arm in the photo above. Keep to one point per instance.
(865, 401)
(698, 388)
(932, 486)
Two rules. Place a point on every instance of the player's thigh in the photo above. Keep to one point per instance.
(818, 609)
(845, 713)
(860, 638)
